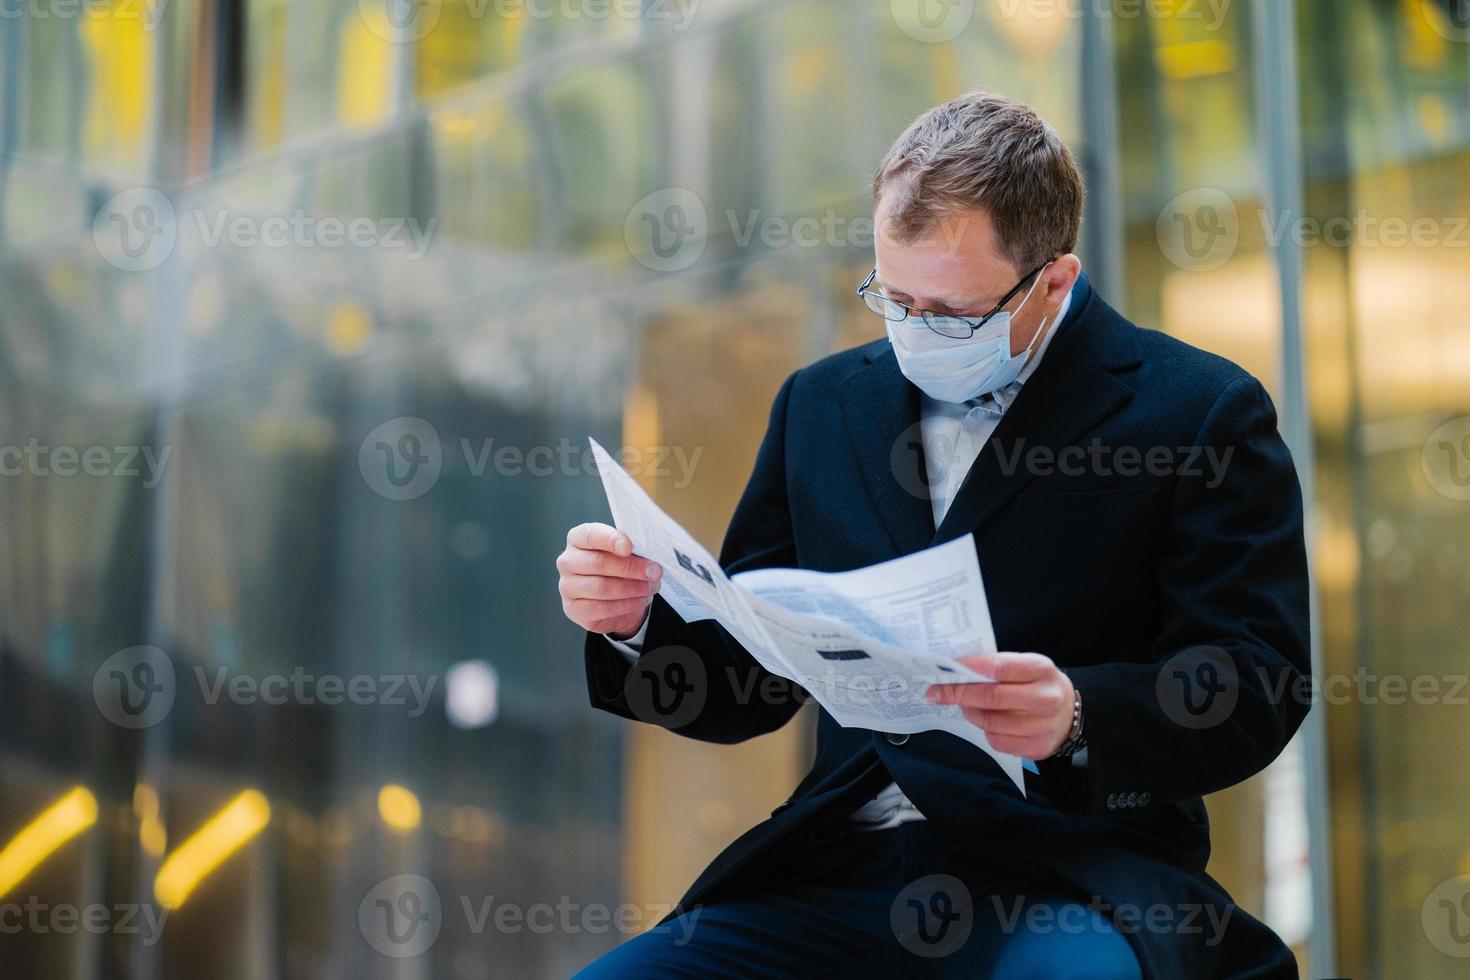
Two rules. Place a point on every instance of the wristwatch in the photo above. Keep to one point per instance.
(1075, 741)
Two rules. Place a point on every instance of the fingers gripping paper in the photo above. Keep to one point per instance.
(866, 644)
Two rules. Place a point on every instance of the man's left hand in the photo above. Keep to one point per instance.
(1026, 712)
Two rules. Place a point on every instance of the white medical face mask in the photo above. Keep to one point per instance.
(950, 370)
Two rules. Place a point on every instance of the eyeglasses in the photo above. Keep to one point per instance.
(953, 327)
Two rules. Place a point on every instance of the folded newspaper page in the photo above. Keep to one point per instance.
(866, 644)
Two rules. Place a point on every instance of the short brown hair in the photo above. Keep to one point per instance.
(984, 151)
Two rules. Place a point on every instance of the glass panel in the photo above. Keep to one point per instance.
(1386, 100)
(1199, 266)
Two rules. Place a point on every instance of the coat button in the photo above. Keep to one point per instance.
(896, 739)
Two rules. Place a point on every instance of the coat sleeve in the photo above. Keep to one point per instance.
(694, 678)
(1221, 691)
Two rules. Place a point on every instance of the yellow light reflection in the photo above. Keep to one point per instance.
(1427, 32)
(1195, 59)
(365, 69)
(120, 52)
(151, 833)
(398, 807)
(206, 849)
(39, 839)
(348, 328)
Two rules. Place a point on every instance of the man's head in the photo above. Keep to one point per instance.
(975, 195)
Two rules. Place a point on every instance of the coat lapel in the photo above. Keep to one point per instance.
(881, 410)
(1071, 392)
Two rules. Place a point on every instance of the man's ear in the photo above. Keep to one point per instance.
(1061, 276)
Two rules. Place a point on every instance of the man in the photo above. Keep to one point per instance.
(1139, 527)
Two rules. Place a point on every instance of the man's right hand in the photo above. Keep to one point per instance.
(604, 587)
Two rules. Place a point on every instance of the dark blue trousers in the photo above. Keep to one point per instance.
(897, 902)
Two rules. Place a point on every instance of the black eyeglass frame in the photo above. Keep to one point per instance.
(864, 292)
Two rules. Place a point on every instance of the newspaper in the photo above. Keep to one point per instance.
(866, 644)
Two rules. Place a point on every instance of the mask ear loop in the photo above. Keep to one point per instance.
(1026, 354)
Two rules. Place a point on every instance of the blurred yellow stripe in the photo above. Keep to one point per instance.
(39, 839)
(206, 849)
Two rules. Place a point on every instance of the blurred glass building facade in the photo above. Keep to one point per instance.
(309, 308)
